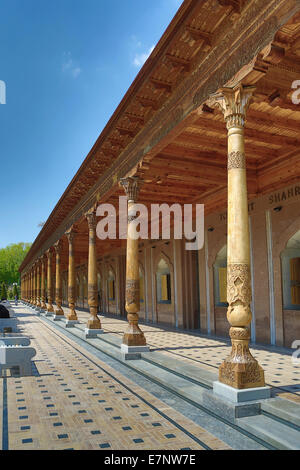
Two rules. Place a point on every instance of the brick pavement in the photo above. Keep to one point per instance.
(76, 401)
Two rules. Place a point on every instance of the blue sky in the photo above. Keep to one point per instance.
(66, 65)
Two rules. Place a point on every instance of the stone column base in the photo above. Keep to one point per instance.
(133, 352)
(58, 316)
(246, 373)
(71, 323)
(92, 332)
(236, 395)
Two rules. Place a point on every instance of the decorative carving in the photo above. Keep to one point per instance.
(240, 369)
(91, 218)
(58, 247)
(92, 294)
(70, 234)
(132, 291)
(236, 160)
(131, 186)
(238, 283)
(234, 103)
(71, 293)
(131, 218)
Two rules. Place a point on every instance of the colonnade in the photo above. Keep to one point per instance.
(240, 370)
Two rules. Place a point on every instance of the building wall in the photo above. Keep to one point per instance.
(193, 300)
(270, 231)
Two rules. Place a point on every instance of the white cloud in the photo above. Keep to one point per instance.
(69, 66)
(141, 58)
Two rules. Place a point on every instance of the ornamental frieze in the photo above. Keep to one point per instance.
(236, 160)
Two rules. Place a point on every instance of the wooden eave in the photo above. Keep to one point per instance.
(193, 143)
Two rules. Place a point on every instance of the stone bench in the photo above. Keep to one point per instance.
(8, 322)
(14, 341)
(17, 356)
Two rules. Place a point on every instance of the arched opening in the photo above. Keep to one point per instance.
(64, 291)
(163, 283)
(142, 286)
(85, 291)
(220, 278)
(111, 288)
(220, 292)
(77, 290)
(290, 266)
(100, 309)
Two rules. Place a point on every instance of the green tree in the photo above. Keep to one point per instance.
(3, 291)
(15, 291)
(10, 259)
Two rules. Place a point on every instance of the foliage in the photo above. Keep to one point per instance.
(15, 292)
(10, 259)
(3, 291)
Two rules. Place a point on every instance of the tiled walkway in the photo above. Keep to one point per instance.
(76, 401)
(208, 353)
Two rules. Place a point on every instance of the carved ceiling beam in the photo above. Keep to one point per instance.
(135, 118)
(125, 131)
(116, 142)
(198, 35)
(237, 5)
(147, 102)
(178, 62)
(108, 152)
(161, 85)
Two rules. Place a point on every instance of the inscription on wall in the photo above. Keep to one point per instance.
(281, 196)
(223, 216)
(274, 198)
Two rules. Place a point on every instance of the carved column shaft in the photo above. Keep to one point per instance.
(38, 285)
(93, 321)
(133, 335)
(34, 285)
(43, 291)
(50, 308)
(58, 289)
(240, 369)
(30, 286)
(72, 315)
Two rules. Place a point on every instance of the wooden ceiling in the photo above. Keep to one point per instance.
(191, 165)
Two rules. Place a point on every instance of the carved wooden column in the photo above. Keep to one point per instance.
(134, 340)
(34, 285)
(240, 370)
(30, 286)
(72, 315)
(25, 287)
(58, 291)
(50, 308)
(43, 290)
(93, 324)
(38, 285)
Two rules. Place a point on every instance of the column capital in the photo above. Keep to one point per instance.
(131, 186)
(90, 216)
(71, 233)
(57, 247)
(233, 103)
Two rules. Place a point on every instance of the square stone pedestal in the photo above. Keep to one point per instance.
(236, 395)
(92, 333)
(133, 352)
(231, 403)
(48, 314)
(58, 317)
(71, 323)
